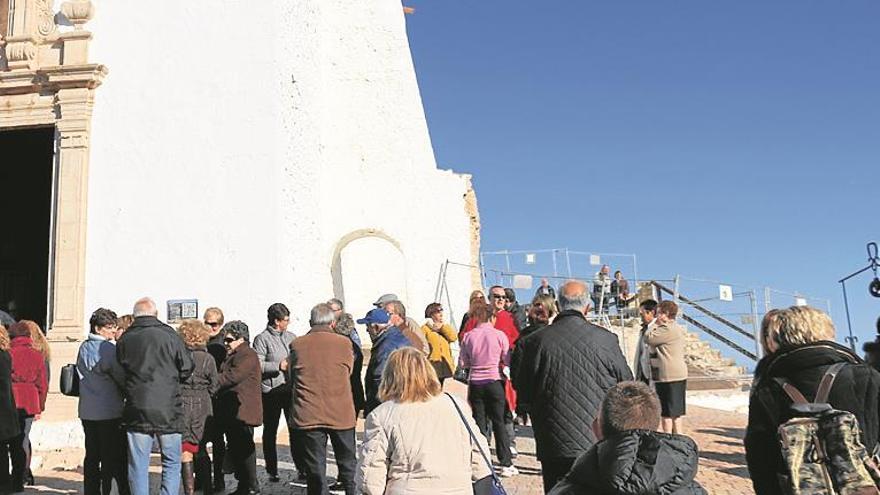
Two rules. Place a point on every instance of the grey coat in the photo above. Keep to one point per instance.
(272, 347)
(196, 392)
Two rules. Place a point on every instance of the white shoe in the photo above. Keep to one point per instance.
(508, 471)
(513, 452)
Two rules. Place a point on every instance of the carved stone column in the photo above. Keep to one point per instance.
(68, 298)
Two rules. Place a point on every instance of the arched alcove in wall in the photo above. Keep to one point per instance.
(367, 264)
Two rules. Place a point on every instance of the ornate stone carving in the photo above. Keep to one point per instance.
(45, 18)
(21, 51)
(78, 12)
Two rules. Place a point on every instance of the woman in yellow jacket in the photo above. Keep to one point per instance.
(439, 334)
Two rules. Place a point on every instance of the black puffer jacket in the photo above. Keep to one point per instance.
(565, 371)
(635, 462)
(155, 361)
(856, 389)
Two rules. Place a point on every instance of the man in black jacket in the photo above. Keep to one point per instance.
(154, 362)
(565, 371)
(631, 457)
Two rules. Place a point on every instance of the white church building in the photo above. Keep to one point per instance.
(235, 153)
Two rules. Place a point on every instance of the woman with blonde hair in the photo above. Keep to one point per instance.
(417, 442)
(799, 348)
(196, 392)
(476, 296)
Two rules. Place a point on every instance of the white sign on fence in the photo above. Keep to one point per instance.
(594, 260)
(530, 258)
(800, 301)
(522, 281)
(725, 293)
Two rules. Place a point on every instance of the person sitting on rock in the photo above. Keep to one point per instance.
(631, 455)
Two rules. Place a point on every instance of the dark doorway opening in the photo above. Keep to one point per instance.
(26, 165)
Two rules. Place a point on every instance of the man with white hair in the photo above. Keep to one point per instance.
(565, 372)
(155, 362)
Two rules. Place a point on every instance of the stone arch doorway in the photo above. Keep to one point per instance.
(367, 264)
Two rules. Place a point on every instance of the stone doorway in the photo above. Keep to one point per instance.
(26, 175)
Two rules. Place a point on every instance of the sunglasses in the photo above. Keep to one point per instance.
(212, 324)
(498, 296)
(229, 340)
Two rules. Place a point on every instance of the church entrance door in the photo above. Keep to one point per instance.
(26, 193)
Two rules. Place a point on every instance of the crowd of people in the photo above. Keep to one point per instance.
(598, 428)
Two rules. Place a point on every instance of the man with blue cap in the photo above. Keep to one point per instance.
(386, 339)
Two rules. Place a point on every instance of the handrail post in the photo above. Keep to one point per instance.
(675, 289)
(756, 327)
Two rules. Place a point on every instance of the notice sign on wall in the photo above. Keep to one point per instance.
(182, 309)
(725, 293)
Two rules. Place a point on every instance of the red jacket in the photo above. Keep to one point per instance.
(29, 385)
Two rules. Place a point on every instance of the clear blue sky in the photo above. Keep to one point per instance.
(728, 140)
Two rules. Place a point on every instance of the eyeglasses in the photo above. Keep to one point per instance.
(498, 296)
(212, 324)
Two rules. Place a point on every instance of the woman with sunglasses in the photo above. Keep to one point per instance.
(439, 335)
(241, 406)
(207, 467)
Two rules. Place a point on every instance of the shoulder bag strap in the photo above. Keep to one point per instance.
(793, 393)
(827, 382)
(473, 436)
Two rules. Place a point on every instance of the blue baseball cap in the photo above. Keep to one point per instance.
(375, 316)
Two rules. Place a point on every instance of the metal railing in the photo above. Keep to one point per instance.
(717, 335)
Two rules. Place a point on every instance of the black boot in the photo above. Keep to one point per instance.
(203, 471)
(186, 475)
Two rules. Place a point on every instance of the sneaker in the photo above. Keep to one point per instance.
(508, 471)
(337, 487)
(513, 452)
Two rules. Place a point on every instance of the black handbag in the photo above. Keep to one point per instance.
(490, 485)
(461, 375)
(69, 382)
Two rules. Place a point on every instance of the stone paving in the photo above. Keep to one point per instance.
(719, 434)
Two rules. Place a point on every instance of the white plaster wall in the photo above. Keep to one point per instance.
(238, 145)
(184, 197)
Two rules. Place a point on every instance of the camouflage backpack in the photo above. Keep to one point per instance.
(821, 446)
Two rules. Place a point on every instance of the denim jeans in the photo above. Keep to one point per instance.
(139, 445)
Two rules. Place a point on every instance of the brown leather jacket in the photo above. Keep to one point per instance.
(320, 375)
(239, 392)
